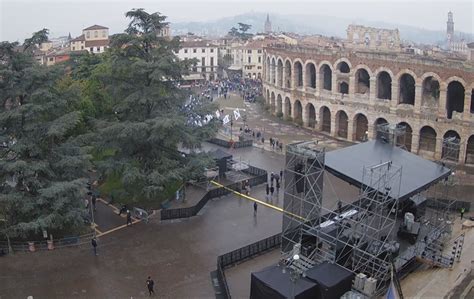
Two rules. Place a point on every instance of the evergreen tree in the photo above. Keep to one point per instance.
(42, 169)
(151, 116)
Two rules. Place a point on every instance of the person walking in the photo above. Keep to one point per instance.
(94, 245)
(129, 218)
(462, 212)
(150, 284)
(255, 208)
(94, 199)
(281, 174)
(267, 189)
(123, 209)
(272, 189)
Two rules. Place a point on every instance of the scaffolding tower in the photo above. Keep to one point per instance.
(358, 236)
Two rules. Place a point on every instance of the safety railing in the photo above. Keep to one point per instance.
(43, 244)
(259, 177)
(234, 144)
(242, 254)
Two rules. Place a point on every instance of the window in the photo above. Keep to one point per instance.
(259, 59)
(203, 61)
(96, 33)
(212, 69)
(82, 47)
(74, 48)
(203, 50)
(88, 34)
(203, 70)
(259, 51)
(250, 59)
(104, 33)
(249, 51)
(51, 58)
(185, 50)
(212, 61)
(212, 50)
(92, 49)
(98, 49)
(194, 67)
(194, 50)
(259, 67)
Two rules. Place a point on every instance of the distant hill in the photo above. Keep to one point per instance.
(305, 24)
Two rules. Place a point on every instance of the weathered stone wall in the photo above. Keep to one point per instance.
(428, 110)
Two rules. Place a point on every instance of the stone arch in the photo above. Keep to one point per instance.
(310, 115)
(343, 65)
(272, 103)
(362, 81)
(361, 127)
(430, 91)
(298, 69)
(342, 124)
(273, 71)
(405, 140)
(279, 105)
(455, 98)
(427, 140)
(298, 111)
(325, 73)
(310, 74)
(379, 121)
(343, 87)
(406, 89)
(470, 150)
(287, 73)
(287, 108)
(279, 82)
(471, 108)
(451, 145)
(268, 97)
(384, 85)
(325, 119)
(267, 69)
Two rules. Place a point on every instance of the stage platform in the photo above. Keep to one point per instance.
(417, 174)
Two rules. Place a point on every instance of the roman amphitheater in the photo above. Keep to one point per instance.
(347, 91)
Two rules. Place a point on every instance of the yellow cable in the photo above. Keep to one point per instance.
(258, 201)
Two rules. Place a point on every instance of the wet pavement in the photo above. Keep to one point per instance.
(178, 254)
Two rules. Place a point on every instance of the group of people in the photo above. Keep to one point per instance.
(274, 185)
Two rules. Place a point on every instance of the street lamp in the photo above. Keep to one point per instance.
(10, 250)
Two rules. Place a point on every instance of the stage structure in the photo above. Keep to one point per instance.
(395, 220)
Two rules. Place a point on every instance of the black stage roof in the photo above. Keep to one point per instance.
(417, 173)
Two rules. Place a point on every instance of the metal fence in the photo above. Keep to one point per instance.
(260, 177)
(452, 205)
(228, 144)
(239, 255)
(43, 244)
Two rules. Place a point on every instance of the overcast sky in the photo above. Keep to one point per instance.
(19, 18)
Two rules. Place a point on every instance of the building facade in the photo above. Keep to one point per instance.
(94, 39)
(206, 55)
(347, 93)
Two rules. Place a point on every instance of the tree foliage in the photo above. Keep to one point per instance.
(150, 118)
(42, 169)
(241, 32)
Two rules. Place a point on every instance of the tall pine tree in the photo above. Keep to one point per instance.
(42, 169)
(151, 118)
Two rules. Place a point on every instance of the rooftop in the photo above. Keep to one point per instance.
(95, 27)
(417, 174)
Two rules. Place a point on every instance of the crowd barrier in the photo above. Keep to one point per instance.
(242, 254)
(228, 144)
(259, 177)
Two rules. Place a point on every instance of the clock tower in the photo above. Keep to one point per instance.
(450, 27)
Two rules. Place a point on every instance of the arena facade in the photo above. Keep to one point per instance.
(347, 92)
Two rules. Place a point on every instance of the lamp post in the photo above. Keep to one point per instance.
(10, 250)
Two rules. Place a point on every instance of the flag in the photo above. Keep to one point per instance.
(392, 292)
(236, 114)
(226, 119)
